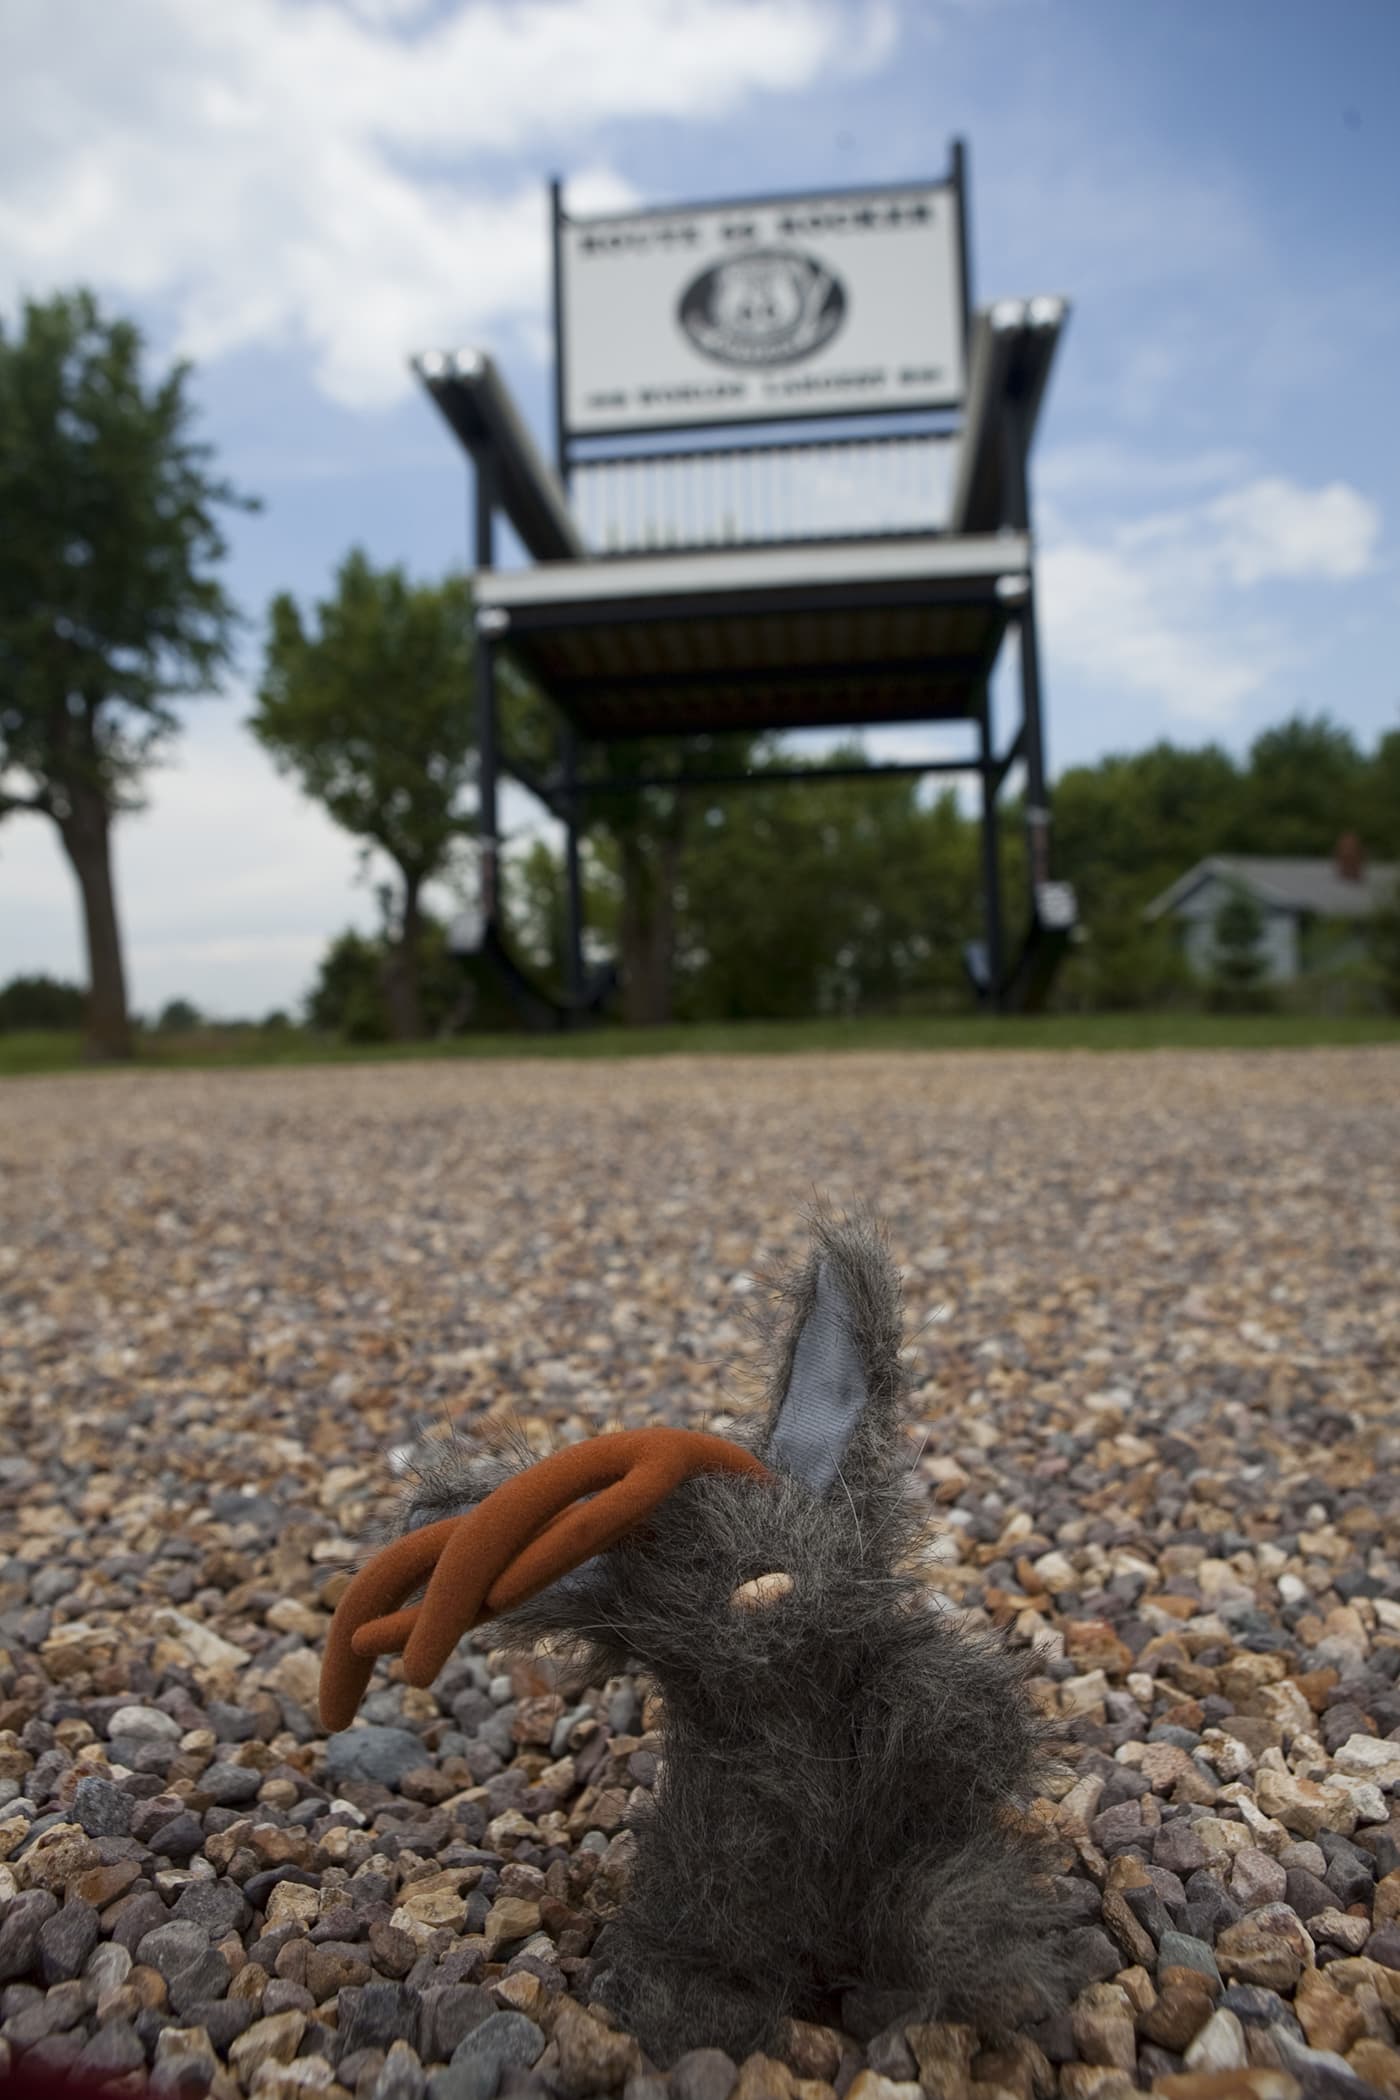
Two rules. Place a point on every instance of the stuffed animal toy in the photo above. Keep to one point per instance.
(838, 1829)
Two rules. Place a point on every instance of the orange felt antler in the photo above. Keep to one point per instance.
(509, 1547)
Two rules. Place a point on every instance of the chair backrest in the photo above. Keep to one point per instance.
(771, 370)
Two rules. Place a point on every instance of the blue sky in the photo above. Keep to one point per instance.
(297, 193)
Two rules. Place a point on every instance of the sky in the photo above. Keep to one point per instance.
(296, 194)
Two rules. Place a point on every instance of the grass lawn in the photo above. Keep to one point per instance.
(40, 1051)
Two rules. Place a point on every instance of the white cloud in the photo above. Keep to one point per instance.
(1273, 528)
(297, 172)
(228, 883)
(1158, 607)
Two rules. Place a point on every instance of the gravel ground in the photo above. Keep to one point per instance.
(1155, 1309)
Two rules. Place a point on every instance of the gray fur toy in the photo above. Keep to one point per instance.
(837, 1829)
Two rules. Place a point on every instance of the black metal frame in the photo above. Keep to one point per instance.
(569, 791)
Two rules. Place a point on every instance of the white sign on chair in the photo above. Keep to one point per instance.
(810, 306)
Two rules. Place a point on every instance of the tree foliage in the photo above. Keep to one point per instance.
(1238, 963)
(352, 995)
(835, 896)
(40, 1002)
(110, 603)
(368, 705)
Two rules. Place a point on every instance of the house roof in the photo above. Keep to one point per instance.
(1286, 884)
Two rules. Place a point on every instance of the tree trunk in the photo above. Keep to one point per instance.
(86, 834)
(648, 929)
(405, 1003)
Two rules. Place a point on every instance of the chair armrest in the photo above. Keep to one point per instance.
(471, 394)
(1013, 349)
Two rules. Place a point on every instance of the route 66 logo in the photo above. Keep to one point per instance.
(771, 306)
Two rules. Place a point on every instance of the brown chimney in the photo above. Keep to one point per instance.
(1349, 858)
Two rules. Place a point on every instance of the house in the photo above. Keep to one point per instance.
(1307, 905)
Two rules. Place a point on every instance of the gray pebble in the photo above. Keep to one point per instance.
(114, 2047)
(625, 1709)
(564, 1728)
(19, 1931)
(173, 1946)
(138, 1916)
(223, 2019)
(207, 1976)
(145, 1724)
(1181, 1950)
(66, 1940)
(447, 2013)
(380, 2014)
(1322, 2074)
(703, 2074)
(52, 1583)
(890, 2056)
(229, 1785)
(382, 1754)
(401, 2076)
(1090, 1956)
(1307, 1895)
(108, 1967)
(506, 2038)
(179, 1839)
(231, 1724)
(219, 1906)
(102, 1809)
(51, 2013)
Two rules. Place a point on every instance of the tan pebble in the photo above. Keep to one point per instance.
(1379, 2065)
(1018, 2067)
(1253, 2084)
(1096, 2082)
(762, 1592)
(813, 2051)
(1178, 2016)
(1102, 2019)
(273, 2040)
(1139, 1988)
(764, 2078)
(149, 1986)
(250, 1982)
(521, 1993)
(1340, 1929)
(866, 2085)
(943, 2051)
(592, 2058)
(1219, 2046)
(290, 1903)
(1329, 2019)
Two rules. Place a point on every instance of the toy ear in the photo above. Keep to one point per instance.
(838, 1386)
(826, 1389)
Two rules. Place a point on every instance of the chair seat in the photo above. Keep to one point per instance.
(763, 638)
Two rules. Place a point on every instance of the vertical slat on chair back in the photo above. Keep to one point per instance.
(761, 495)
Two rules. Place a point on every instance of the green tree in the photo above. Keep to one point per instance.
(40, 1002)
(352, 993)
(1305, 784)
(369, 707)
(642, 835)
(1239, 964)
(1379, 817)
(178, 1017)
(110, 607)
(833, 896)
(1128, 826)
(1383, 943)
